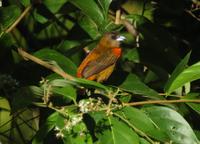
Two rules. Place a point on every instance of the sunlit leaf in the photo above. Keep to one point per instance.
(176, 127)
(143, 122)
(180, 67)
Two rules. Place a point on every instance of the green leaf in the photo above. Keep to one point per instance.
(114, 131)
(135, 85)
(188, 75)
(45, 129)
(38, 17)
(91, 9)
(143, 123)
(25, 2)
(194, 106)
(52, 55)
(8, 15)
(176, 127)
(5, 120)
(25, 96)
(105, 6)
(67, 91)
(89, 84)
(6, 41)
(89, 27)
(132, 55)
(54, 5)
(180, 67)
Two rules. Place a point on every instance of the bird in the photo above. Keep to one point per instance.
(100, 62)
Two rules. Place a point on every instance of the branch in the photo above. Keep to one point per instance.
(53, 68)
(193, 15)
(19, 19)
(160, 102)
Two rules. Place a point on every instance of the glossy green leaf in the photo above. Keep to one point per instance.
(8, 15)
(116, 132)
(135, 85)
(90, 84)
(142, 122)
(54, 5)
(67, 91)
(45, 128)
(105, 6)
(143, 141)
(89, 27)
(38, 17)
(188, 75)
(62, 61)
(25, 2)
(91, 9)
(194, 106)
(180, 67)
(176, 127)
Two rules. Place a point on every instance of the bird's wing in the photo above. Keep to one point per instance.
(100, 64)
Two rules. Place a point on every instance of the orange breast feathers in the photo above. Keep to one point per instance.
(100, 62)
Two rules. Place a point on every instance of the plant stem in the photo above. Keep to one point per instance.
(60, 72)
(18, 19)
(161, 102)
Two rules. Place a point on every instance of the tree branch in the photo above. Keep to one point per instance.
(55, 69)
(18, 19)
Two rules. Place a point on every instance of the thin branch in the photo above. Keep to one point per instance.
(118, 17)
(53, 68)
(18, 19)
(161, 102)
(144, 7)
(193, 15)
(130, 28)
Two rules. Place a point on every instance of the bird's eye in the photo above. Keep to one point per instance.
(114, 36)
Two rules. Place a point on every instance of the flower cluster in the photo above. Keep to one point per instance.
(69, 124)
(90, 104)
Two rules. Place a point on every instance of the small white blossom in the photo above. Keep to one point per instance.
(57, 128)
(60, 135)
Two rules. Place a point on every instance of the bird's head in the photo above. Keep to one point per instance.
(111, 40)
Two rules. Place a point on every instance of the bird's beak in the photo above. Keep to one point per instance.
(120, 38)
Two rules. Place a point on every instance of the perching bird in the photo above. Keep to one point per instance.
(100, 62)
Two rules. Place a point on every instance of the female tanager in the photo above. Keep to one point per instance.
(100, 62)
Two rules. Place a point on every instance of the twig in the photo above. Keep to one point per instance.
(190, 13)
(28, 56)
(130, 28)
(144, 7)
(18, 19)
(161, 102)
(118, 17)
